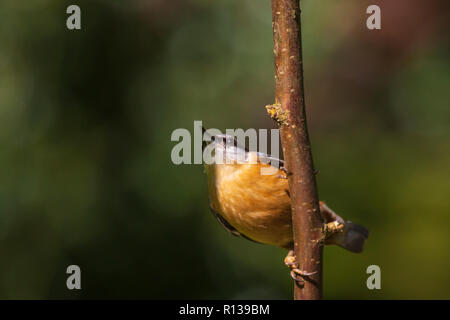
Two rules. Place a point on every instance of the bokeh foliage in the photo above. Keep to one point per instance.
(85, 124)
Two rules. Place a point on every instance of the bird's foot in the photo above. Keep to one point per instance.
(286, 173)
(298, 275)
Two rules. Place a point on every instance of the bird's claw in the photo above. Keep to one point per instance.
(296, 274)
(286, 173)
(299, 275)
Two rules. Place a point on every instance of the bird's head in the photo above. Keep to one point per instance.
(222, 148)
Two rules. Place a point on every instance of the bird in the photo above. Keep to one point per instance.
(257, 206)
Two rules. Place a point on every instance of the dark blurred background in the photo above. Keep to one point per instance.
(86, 118)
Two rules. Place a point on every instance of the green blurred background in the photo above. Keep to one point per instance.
(85, 124)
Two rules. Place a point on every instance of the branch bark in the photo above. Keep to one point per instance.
(289, 112)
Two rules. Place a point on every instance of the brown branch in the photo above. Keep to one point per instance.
(289, 111)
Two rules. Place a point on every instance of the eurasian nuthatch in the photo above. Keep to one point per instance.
(257, 206)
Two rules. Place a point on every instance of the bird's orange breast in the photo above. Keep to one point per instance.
(257, 205)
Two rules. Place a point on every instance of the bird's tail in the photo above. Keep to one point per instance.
(351, 238)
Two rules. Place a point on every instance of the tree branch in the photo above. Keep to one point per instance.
(289, 112)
